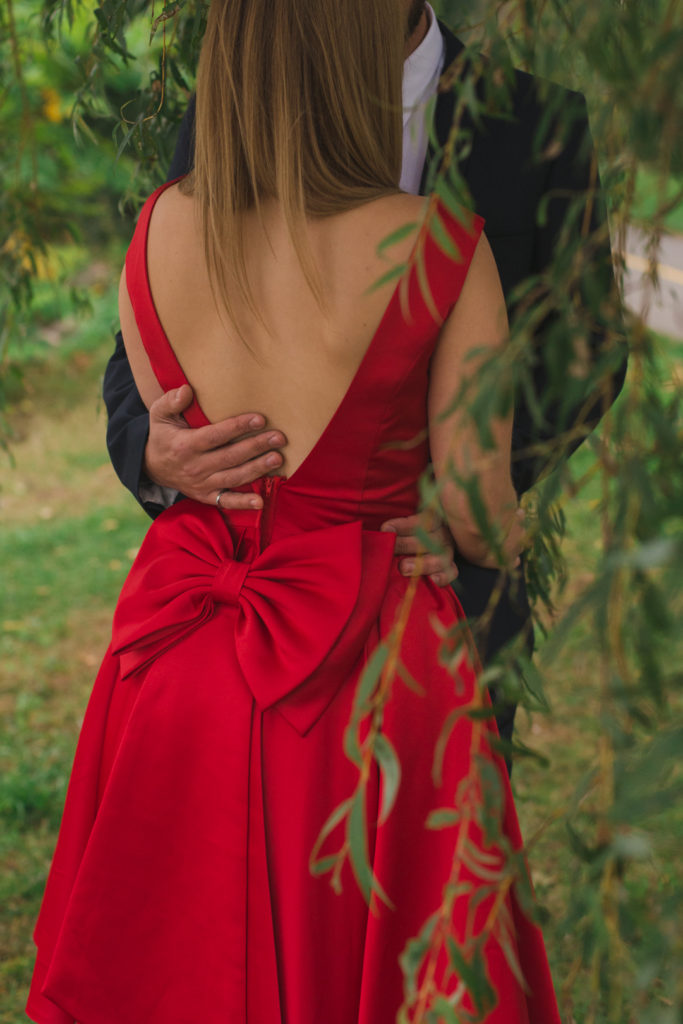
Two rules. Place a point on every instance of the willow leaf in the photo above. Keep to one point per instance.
(390, 769)
(413, 955)
(337, 816)
(396, 236)
(390, 275)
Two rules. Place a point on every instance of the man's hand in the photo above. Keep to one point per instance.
(439, 567)
(201, 462)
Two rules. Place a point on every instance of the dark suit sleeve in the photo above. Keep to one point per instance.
(184, 149)
(128, 419)
(580, 348)
(128, 424)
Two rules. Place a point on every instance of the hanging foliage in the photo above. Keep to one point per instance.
(127, 68)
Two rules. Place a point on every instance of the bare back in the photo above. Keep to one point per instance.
(295, 373)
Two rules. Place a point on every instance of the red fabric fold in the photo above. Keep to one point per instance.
(299, 611)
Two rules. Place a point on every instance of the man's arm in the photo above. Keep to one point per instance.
(128, 430)
(580, 347)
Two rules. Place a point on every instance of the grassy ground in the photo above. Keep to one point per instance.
(69, 532)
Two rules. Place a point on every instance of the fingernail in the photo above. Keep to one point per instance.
(255, 503)
(274, 439)
(387, 528)
(256, 421)
(273, 460)
(408, 567)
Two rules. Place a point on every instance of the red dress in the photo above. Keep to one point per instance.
(212, 752)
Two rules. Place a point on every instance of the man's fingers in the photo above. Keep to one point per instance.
(231, 501)
(235, 428)
(428, 565)
(171, 403)
(445, 578)
(246, 449)
(401, 527)
(243, 474)
(250, 453)
(412, 545)
(440, 541)
(408, 546)
(427, 522)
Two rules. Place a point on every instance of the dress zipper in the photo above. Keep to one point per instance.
(270, 488)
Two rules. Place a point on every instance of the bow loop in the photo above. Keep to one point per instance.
(301, 609)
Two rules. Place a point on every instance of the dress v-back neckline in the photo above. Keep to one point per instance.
(167, 368)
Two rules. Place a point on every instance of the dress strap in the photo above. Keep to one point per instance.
(448, 252)
(163, 361)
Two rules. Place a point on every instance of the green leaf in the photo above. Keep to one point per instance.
(442, 743)
(391, 275)
(413, 954)
(493, 799)
(511, 954)
(425, 287)
(369, 679)
(483, 856)
(452, 197)
(324, 864)
(335, 818)
(443, 1012)
(474, 975)
(356, 834)
(443, 239)
(480, 870)
(396, 236)
(390, 770)
(412, 684)
(443, 817)
(522, 888)
(365, 688)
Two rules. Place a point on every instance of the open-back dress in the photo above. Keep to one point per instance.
(212, 751)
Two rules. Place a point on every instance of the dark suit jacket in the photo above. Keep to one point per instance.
(508, 183)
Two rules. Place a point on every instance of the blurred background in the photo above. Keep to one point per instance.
(90, 99)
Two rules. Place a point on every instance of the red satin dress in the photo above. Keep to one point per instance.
(212, 753)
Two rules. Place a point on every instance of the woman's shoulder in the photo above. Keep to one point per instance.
(173, 229)
(171, 205)
(399, 208)
(387, 225)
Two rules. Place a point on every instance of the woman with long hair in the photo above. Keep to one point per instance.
(216, 765)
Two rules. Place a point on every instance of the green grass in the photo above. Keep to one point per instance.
(69, 533)
(62, 578)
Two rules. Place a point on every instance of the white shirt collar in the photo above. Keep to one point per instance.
(421, 70)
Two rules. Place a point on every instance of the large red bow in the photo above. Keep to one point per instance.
(303, 606)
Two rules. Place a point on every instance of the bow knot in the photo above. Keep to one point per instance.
(304, 606)
(228, 581)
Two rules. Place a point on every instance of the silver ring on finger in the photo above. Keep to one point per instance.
(223, 490)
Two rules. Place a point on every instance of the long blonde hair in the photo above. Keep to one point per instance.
(300, 101)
